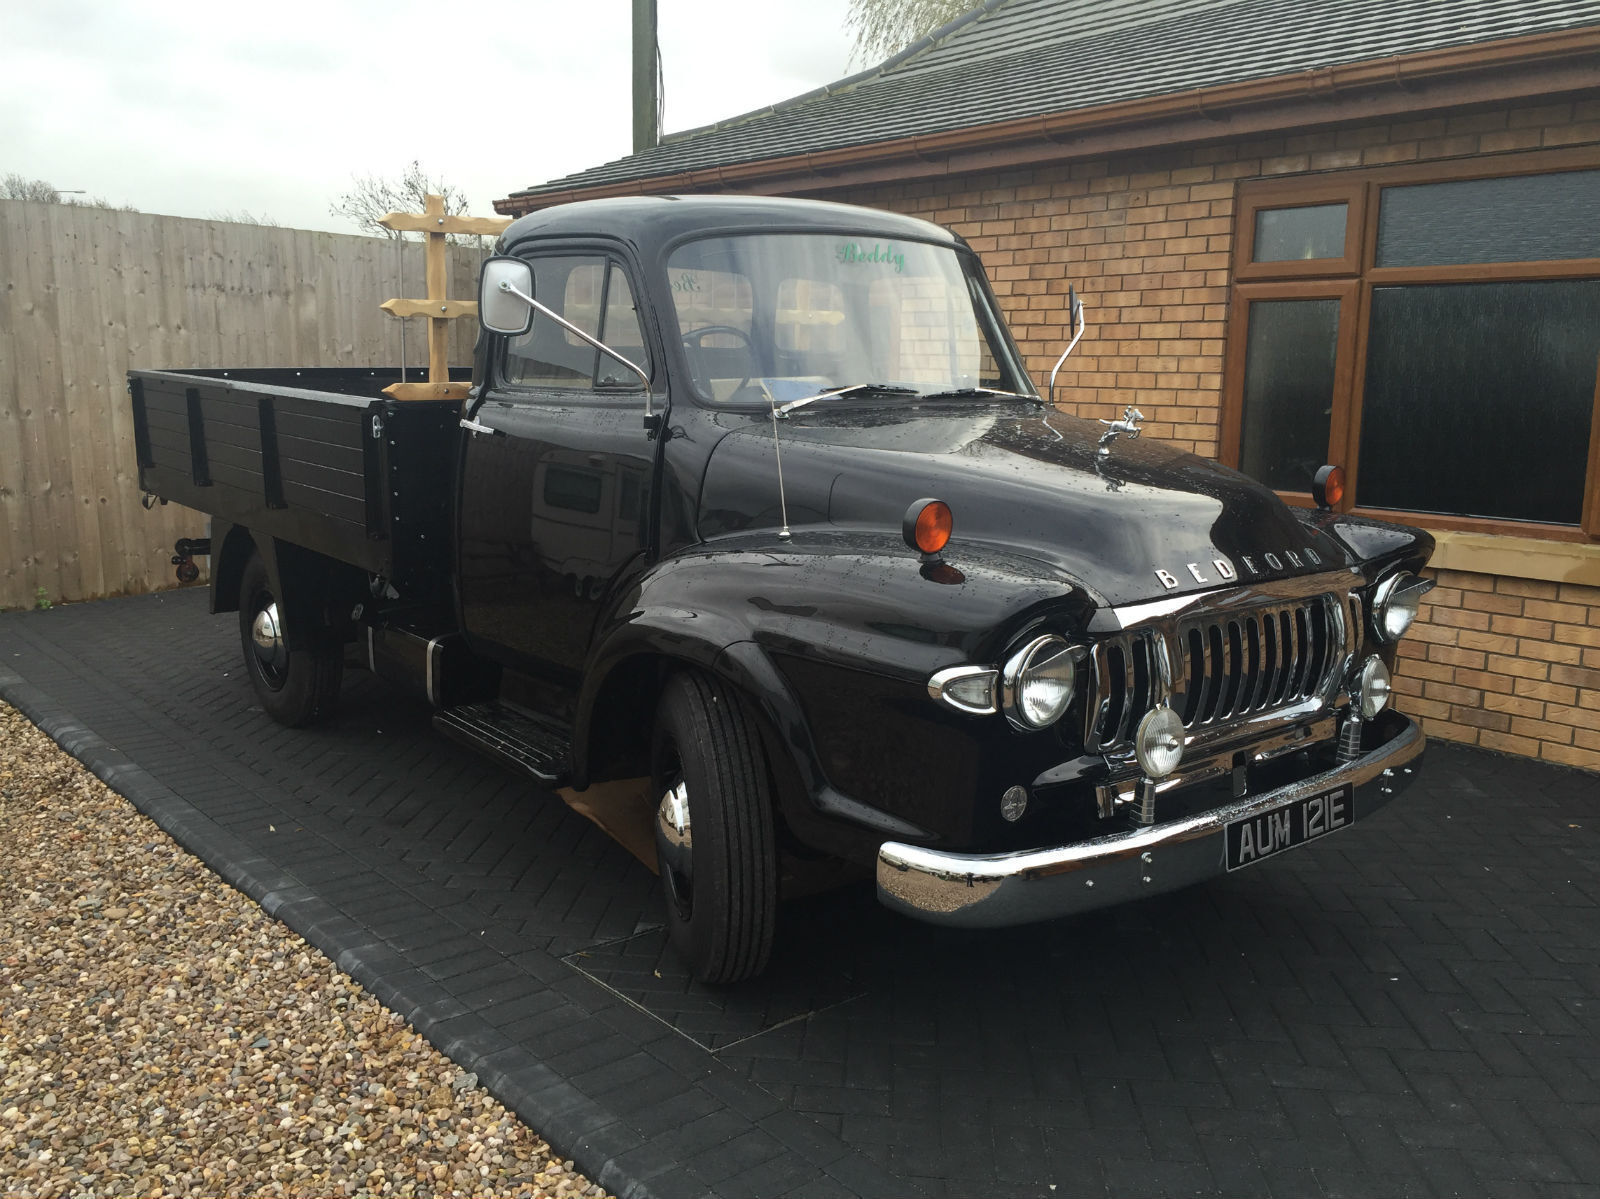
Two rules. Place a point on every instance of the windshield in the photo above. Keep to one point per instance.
(780, 317)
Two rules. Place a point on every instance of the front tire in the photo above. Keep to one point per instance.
(715, 844)
(296, 687)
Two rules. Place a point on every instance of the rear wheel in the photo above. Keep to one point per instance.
(714, 832)
(298, 686)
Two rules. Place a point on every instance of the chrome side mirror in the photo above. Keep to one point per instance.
(504, 289)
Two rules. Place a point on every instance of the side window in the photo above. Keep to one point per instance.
(592, 292)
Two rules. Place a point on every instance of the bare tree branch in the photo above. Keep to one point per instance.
(885, 27)
(18, 187)
(375, 196)
(243, 217)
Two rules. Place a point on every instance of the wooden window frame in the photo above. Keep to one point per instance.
(1301, 193)
(1353, 279)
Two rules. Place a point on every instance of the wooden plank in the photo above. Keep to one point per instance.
(45, 426)
(427, 391)
(323, 478)
(434, 222)
(328, 503)
(16, 527)
(233, 457)
(323, 453)
(447, 310)
(124, 570)
(79, 272)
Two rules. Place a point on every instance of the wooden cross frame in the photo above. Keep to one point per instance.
(439, 310)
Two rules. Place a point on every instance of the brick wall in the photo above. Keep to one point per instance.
(1147, 240)
(1509, 664)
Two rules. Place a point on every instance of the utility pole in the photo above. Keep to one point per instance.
(646, 128)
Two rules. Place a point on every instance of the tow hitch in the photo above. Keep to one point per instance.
(183, 553)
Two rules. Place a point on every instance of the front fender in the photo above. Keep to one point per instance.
(832, 638)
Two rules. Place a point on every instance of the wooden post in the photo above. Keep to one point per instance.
(439, 310)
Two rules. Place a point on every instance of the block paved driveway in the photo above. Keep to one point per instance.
(1409, 1008)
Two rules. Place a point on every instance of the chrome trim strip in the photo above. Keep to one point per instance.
(433, 652)
(1123, 786)
(1220, 599)
(994, 890)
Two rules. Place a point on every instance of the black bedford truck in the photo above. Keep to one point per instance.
(753, 498)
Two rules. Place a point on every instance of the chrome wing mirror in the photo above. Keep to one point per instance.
(505, 296)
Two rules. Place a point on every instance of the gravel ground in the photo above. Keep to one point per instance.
(160, 1035)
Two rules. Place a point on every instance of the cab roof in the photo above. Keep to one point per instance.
(650, 223)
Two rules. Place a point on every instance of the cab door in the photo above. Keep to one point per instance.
(555, 503)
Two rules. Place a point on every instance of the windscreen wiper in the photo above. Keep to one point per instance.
(782, 410)
(966, 393)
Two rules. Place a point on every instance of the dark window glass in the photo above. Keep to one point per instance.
(574, 490)
(1283, 234)
(1522, 218)
(576, 287)
(1479, 398)
(1288, 390)
(622, 333)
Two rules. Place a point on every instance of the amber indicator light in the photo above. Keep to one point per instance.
(1327, 489)
(927, 525)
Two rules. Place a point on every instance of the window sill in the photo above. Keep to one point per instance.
(1517, 557)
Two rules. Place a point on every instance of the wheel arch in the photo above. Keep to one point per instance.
(317, 592)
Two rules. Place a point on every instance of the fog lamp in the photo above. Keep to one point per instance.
(1158, 743)
(1014, 803)
(1395, 603)
(1037, 683)
(1373, 687)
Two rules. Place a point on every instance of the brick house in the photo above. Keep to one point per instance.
(1362, 233)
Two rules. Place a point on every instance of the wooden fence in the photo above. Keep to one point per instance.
(87, 294)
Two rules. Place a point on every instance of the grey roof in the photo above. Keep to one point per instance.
(1018, 58)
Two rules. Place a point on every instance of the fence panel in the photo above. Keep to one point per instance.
(87, 294)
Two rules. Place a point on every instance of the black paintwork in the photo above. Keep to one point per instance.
(831, 633)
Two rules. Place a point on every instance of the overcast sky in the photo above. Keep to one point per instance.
(198, 108)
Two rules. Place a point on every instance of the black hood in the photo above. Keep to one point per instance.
(1144, 521)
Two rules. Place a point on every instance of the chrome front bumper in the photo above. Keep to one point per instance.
(993, 890)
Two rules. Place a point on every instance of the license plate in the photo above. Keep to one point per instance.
(1267, 833)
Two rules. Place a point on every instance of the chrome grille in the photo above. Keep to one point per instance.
(1223, 666)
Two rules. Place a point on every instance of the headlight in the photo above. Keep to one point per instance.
(1036, 684)
(1158, 742)
(1373, 687)
(1394, 604)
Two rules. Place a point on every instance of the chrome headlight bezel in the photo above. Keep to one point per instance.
(1025, 671)
(968, 689)
(1397, 599)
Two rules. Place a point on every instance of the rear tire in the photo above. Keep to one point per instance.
(297, 687)
(714, 830)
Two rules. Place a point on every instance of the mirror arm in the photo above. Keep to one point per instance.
(1071, 345)
(649, 409)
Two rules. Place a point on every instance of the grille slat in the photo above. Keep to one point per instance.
(1226, 668)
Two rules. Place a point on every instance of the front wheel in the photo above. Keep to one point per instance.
(714, 830)
(297, 686)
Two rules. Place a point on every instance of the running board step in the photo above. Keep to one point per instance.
(538, 748)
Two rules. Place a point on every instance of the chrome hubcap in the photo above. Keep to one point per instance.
(674, 846)
(266, 634)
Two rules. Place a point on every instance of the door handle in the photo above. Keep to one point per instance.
(473, 426)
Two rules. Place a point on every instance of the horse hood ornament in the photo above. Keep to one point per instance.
(1129, 424)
